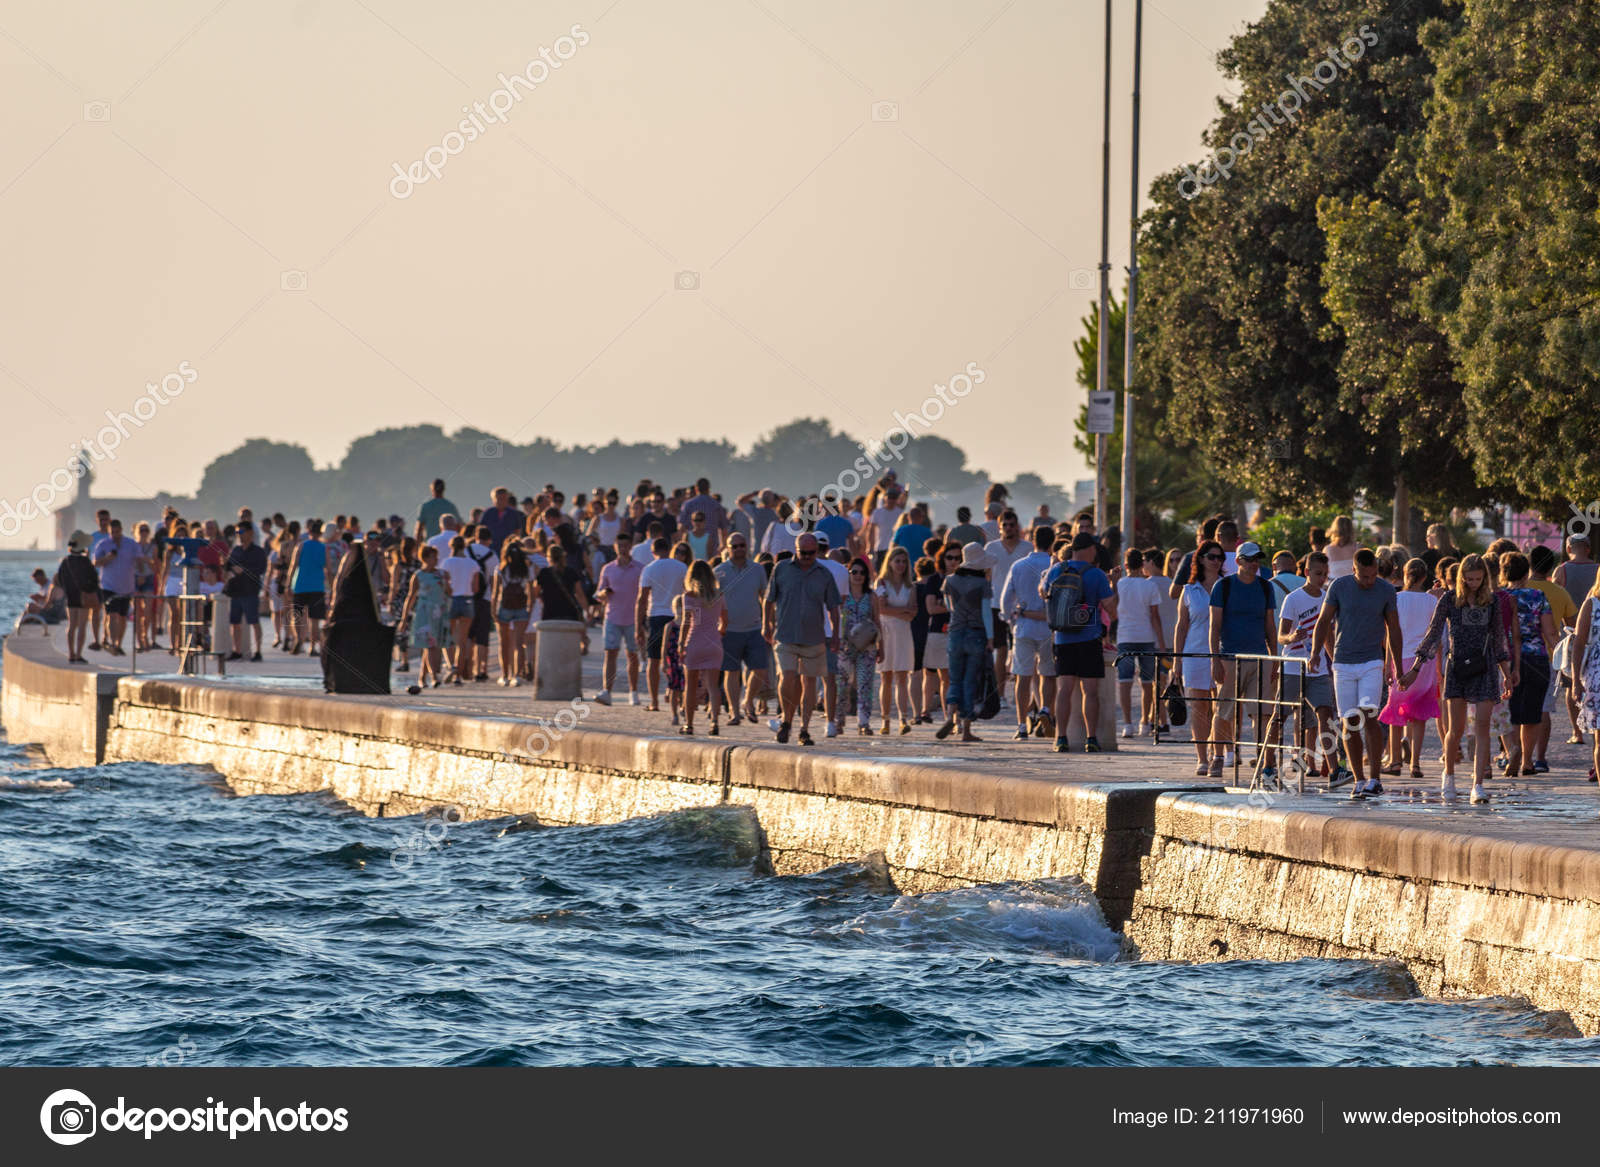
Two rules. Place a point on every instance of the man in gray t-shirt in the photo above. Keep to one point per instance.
(743, 584)
(1360, 618)
(800, 592)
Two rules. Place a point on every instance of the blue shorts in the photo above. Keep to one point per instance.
(244, 609)
(1145, 664)
(511, 615)
(748, 649)
(460, 607)
(618, 635)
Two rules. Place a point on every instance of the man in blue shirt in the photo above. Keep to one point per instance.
(1080, 659)
(116, 556)
(1243, 607)
(503, 519)
(837, 528)
(914, 532)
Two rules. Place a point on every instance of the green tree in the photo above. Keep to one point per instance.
(1245, 355)
(1513, 263)
(260, 474)
(1170, 477)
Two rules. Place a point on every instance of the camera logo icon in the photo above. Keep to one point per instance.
(885, 111)
(687, 281)
(1081, 279)
(1280, 449)
(68, 1117)
(1476, 616)
(292, 281)
(97, 111)
(491, 448)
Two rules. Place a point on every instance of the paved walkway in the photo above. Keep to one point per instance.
(1557, 808)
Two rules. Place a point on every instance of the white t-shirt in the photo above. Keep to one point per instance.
(778, 537)
(1000, 561)
(483, 552)
(1135, 596)
(1302, 609)
(992, 529)
(441, 543)
(664, 578)
(1416, 613)
(884, 518)
(459, 570)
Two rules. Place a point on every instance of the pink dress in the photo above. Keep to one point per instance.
(704, 650)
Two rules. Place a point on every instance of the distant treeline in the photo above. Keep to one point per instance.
(389, 471)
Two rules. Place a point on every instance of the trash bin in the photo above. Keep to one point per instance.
(558, 663)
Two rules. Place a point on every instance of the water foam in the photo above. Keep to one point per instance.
(1058, 916)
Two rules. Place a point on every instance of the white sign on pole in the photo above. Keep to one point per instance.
(1102, 412)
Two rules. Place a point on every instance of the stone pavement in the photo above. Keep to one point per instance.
(1559, 808)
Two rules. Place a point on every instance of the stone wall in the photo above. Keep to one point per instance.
(1188, 873)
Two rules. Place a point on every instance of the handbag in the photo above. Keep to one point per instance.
(862, 636)
(1177, 707)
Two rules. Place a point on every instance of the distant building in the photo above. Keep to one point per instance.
(78, 515)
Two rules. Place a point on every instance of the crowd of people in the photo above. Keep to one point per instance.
(867, 612)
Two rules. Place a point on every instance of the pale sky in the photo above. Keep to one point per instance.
(870, 194)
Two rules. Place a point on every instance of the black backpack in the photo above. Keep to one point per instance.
(987, 701)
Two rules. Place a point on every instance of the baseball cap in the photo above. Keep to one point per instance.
(1249, 551)
(822, 538)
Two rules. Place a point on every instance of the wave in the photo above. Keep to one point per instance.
(1059, 916)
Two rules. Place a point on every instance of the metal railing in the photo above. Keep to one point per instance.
(1270, 742)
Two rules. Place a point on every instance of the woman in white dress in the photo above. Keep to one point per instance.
(1193, 635)
(897, 605)
(1341, 548)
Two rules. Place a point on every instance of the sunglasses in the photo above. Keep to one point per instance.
(807, 554)
(1213, 556)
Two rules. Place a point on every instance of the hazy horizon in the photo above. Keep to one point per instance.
(695, 222)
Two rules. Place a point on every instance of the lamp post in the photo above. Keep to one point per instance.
(1103, 334)
(1129, 512)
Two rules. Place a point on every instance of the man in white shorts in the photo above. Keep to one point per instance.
(1032, 646)
(1297, 620)
(1359, 619)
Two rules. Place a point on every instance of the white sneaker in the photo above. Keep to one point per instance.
(603, 697)
(833, 729)
(1144, 729)
(1127, 729)
(633, 698)
(1478, 793)
(774, 724)
(1447, 786)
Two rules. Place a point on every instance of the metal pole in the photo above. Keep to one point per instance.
(1129, 509)
(1103, 334)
